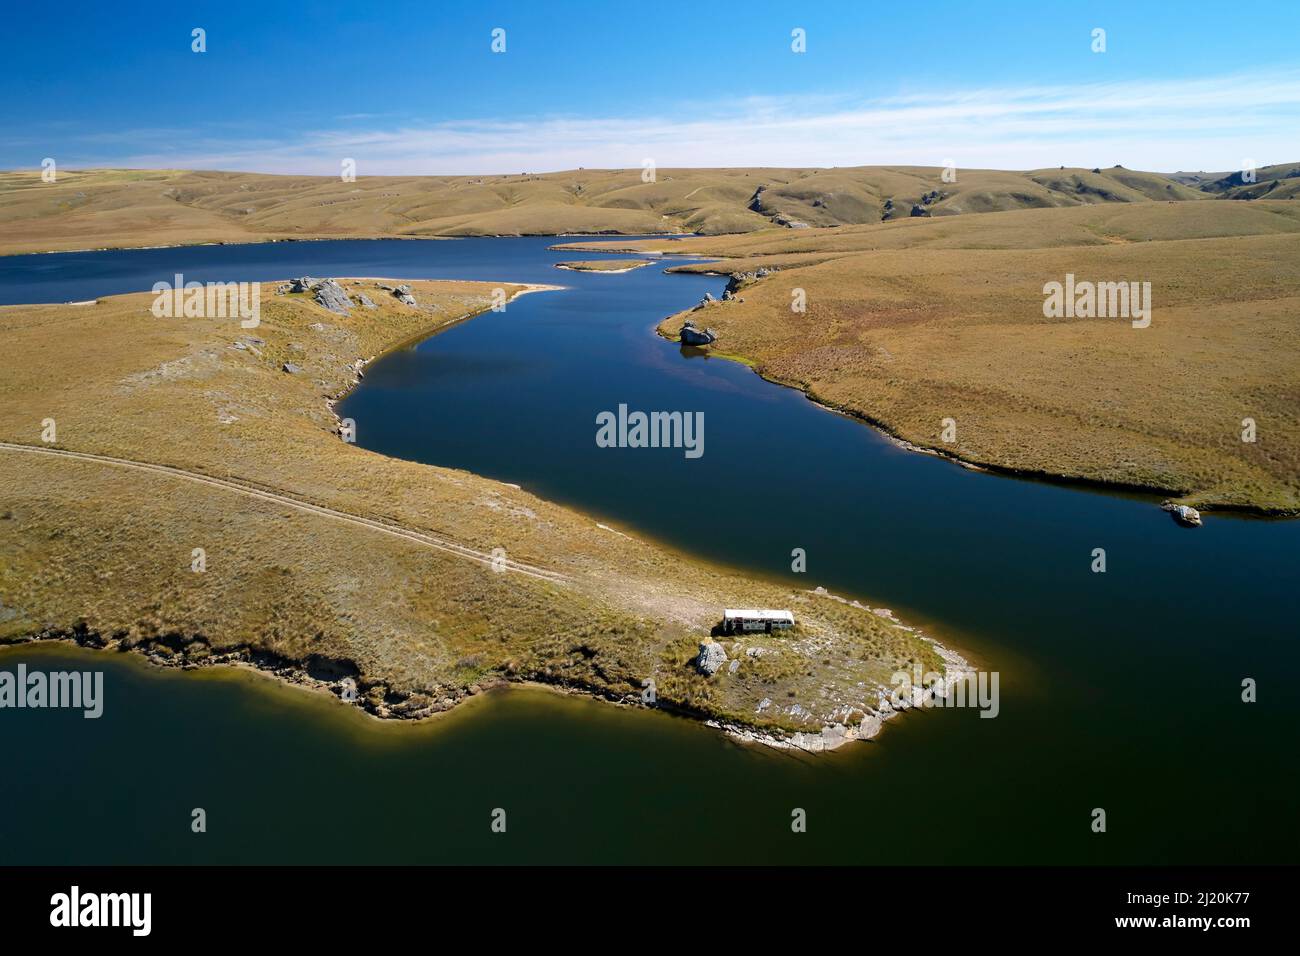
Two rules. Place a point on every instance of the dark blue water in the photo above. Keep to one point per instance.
(1119, 690)
(76, 276)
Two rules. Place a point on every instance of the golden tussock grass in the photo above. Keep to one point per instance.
(105, 551)
(909, 324)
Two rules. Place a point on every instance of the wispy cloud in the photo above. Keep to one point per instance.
(1209, 123)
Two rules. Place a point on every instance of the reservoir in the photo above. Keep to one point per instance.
(1120, 690)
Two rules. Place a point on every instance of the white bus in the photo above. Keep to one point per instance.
(748, 619)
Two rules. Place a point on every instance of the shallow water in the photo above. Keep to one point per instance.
(1118, 690)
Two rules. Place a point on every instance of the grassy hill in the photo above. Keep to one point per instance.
(1270, 182)
(102, 208)
(919, 309)
(913, 322)
(1281, 181)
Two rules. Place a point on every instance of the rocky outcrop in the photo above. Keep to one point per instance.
(738, 279)
(869, 727)
(690, 335)
(330, 295)
(291, 368)
(404, 295)
(365, 301)
(757, 204)
(711, 658)
(1184, 515)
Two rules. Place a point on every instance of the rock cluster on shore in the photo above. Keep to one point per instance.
(330, 295)
(739, 279)
(690, 335)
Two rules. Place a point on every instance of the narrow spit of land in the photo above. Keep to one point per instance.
(179, 487)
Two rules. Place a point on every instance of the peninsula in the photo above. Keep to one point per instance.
(193, 498)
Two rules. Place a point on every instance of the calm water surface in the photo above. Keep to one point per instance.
(1119, 690)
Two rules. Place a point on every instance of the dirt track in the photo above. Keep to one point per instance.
(420, 537)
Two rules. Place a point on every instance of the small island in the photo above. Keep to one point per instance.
(608, 266)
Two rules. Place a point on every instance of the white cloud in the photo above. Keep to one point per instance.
(1210, 123)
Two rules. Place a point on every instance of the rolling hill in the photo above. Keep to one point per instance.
(98, 208)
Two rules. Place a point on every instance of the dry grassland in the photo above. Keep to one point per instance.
(111, 207)
(911, 323)
(104, 553)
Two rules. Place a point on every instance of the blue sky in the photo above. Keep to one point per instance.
(416, 88)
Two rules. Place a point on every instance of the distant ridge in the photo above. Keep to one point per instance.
(94, 208)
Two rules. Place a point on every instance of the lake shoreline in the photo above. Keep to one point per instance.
(604, 266)
(295, 674)
(332, 401)
(380, 237)
(1027, 474)
(188, 647)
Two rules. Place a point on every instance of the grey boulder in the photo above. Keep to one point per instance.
(711, 658)
(330, 295)
(690, 335)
